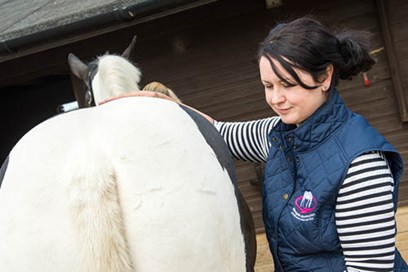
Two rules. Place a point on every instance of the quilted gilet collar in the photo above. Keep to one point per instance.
(318, 127)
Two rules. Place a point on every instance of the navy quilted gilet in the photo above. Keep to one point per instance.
(305, 168)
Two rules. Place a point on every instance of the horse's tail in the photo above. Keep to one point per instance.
(97, 215)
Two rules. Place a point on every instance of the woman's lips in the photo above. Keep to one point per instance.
(282, 111)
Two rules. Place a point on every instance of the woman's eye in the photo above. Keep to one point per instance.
(288, 84)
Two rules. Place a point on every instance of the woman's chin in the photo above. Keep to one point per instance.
(288, 120)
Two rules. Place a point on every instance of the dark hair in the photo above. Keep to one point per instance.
(307, 44)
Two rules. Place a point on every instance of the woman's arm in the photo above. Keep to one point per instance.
(365, 215)
(247, 141)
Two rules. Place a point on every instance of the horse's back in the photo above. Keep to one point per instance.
(176, 207)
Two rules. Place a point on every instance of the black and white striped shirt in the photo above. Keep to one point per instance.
(364, 211)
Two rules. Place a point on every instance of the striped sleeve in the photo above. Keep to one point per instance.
(365, 215)
(248, 141)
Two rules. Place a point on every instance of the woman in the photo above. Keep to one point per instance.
(331, 180)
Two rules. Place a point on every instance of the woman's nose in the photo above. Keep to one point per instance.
(276, 97)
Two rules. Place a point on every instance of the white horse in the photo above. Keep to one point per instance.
(136, 184)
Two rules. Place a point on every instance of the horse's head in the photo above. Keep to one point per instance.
(103, 78)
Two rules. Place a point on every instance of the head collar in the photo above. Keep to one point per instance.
(89, 95)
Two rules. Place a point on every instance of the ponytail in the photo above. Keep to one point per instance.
(356, 57)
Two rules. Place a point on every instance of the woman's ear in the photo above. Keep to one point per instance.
(326, 78)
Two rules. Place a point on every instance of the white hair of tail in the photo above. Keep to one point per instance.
(115, 76)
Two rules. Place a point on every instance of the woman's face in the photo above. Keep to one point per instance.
(294, 104)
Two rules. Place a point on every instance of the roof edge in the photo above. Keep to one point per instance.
(11, 47)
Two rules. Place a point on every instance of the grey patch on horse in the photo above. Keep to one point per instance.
(215, 141)
(3, 170)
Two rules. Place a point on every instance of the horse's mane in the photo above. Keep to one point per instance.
(116, 75)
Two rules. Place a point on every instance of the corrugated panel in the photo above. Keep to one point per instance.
(21, 17)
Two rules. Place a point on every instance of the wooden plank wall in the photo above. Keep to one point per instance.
(213, 67)
(398, 19)
(397, 11)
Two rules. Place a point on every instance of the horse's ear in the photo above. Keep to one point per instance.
(79, 76)
(78, 68)
(129, 50)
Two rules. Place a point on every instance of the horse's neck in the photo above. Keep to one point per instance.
(115, 77)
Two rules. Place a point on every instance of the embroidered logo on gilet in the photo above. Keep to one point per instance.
(304, 207)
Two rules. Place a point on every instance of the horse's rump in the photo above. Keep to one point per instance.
(175, 203)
